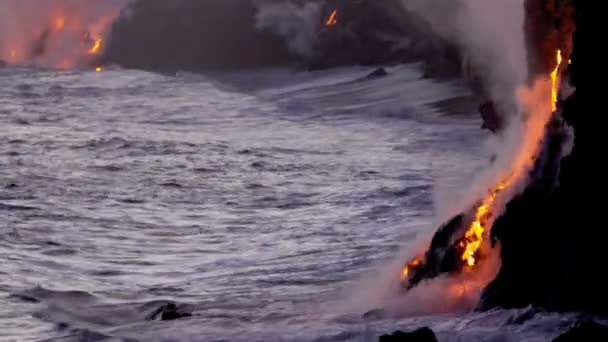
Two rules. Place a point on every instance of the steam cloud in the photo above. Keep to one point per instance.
(297, 24)
(490, 34)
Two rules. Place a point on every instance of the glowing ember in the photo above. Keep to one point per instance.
(96, 47)
(99, 69)
(332, 19)
(555, 81)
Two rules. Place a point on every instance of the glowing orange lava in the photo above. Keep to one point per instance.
(332, 19)
(474, 235)
(96, 47)
(99, 69)
(59, 23)
(535, 103)
(415, 263)
(555, 80)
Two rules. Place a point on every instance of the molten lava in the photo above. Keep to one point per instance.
(539, 108)
(332, 19)
(412, 265)
(58, 34)
(99, 69)
(59, 23)
(473, 237)
(96, 47)
(555, 80)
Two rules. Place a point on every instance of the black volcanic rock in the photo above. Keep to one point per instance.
(420, 335)
(442, 255)
(378, 73)
(553, 236)
(492, 121)
(168, 312)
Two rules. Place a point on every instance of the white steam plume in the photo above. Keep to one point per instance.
(298, 24)
(491, 38)
(490, 34)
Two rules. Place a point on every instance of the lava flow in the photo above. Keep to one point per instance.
(332, 19)
(473, 237)
(96, 48)
(468, 247)
(60, 35)
(555, 80)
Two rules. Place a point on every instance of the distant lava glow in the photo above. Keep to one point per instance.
(332, 19)
(56, 34)
(555, 80)
(96, 48)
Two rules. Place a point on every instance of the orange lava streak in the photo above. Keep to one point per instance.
(96, 47)
(475, 234)
(415, 263)
(59, 24)
(555, 80)
(332, 19)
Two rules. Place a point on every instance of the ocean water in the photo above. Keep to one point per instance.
(264, 203)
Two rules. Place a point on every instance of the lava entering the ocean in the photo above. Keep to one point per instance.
(62, 35)
(445, 256)
(555, 80)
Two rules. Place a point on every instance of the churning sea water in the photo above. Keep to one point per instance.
(255, 201)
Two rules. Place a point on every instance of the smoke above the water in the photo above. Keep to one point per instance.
(298, 24)
(490, 34)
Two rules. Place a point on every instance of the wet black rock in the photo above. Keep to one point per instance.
(492, 121)
(378, 73)
(374, 314)
(442, 255)
(169, 312)
(584, 331)
(420, 335)
(11, 186)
